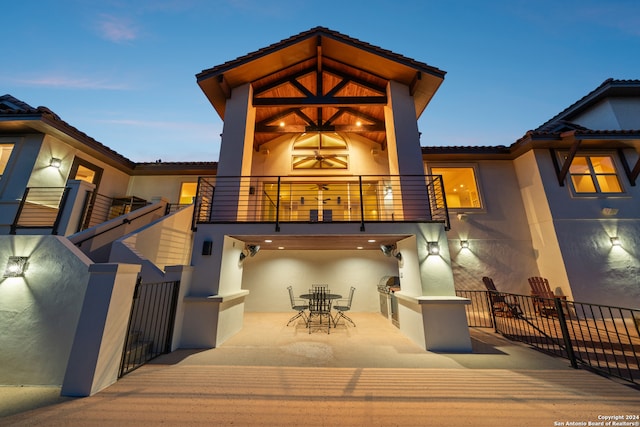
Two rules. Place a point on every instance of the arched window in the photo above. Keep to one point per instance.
(319, 150)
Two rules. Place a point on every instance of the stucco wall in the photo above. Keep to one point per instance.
(612, 114)
(39, 312)
(274, 159)
(599, 272)
(582, 232)
(155, 186)
(113, 183)
(268, 274)
(500, 244)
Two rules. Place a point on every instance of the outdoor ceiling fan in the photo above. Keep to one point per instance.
(322, 157)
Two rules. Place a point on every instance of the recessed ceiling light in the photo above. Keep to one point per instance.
(359, 247)
(268, 241)
(371, 240)
(280, 247)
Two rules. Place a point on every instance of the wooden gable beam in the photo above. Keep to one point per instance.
(320, 101)
(283, 80)
(632, 174)
(414, 83)
(364, 83)
(562, 172)
(226, 90)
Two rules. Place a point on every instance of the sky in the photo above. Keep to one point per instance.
(123, 71)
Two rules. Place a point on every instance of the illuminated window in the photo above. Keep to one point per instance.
(85, 174)
(187, 192)
(594, 174)
(460, 186)
(5, 153)
(319, 150)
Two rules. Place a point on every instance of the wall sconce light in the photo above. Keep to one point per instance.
(55, 163)
(207, 247)
(433, 248)
(464, 244)
(615, 241)
(16, 266)
(251, 251)
(609, 211)
(390, 251)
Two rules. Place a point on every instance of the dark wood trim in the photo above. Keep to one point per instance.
(353, 79)
(556, 166)
(567, 162)
(224, 86)
(633, 176)
(283, 80)
(414, 83)
(314, 128)
(320, 101)
(627, 170)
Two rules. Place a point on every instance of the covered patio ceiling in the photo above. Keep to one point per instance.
(321, 242)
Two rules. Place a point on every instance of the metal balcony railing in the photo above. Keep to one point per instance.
(40, 208)
(321, 199)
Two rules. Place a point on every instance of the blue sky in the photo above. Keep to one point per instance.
(123, 71)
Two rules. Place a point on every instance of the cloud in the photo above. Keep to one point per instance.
(116, 29)
(70, 82)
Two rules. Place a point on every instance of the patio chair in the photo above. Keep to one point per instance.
(298, 305)
(341, 309)
(500, 304)
(319, 310)
(543, 296)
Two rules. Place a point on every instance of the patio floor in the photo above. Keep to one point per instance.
(370, 375)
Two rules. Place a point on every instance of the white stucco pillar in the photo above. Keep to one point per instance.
(74, 208)
(97, 348)
(236, 153)
(405, 154)
(429, 311)
(214, 302)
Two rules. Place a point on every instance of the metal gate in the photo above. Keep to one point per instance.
(151, 323)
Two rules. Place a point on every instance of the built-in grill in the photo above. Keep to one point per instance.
(387, 286)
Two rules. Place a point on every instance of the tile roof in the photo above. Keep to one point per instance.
(13, 108)
(608, 88)
(316, 31)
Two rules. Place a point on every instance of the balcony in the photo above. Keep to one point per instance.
(321, 199)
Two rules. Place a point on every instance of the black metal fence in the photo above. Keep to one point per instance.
(603, 338)
(151, 324)
(317, 199)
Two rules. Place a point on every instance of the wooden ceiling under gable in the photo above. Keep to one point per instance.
(320, 95)
(320, 80)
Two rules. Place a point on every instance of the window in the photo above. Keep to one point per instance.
(460, 186)
(85, 171)
(188, 192)
(320, 150)
(5, 153)
(594, 174)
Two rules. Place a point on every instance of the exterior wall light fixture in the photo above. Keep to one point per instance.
(16, 266)
(464, 244)
(251, 250)
(55, 163)
(391, 251)
(207, 247)
(615, 241)
(433, 248)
